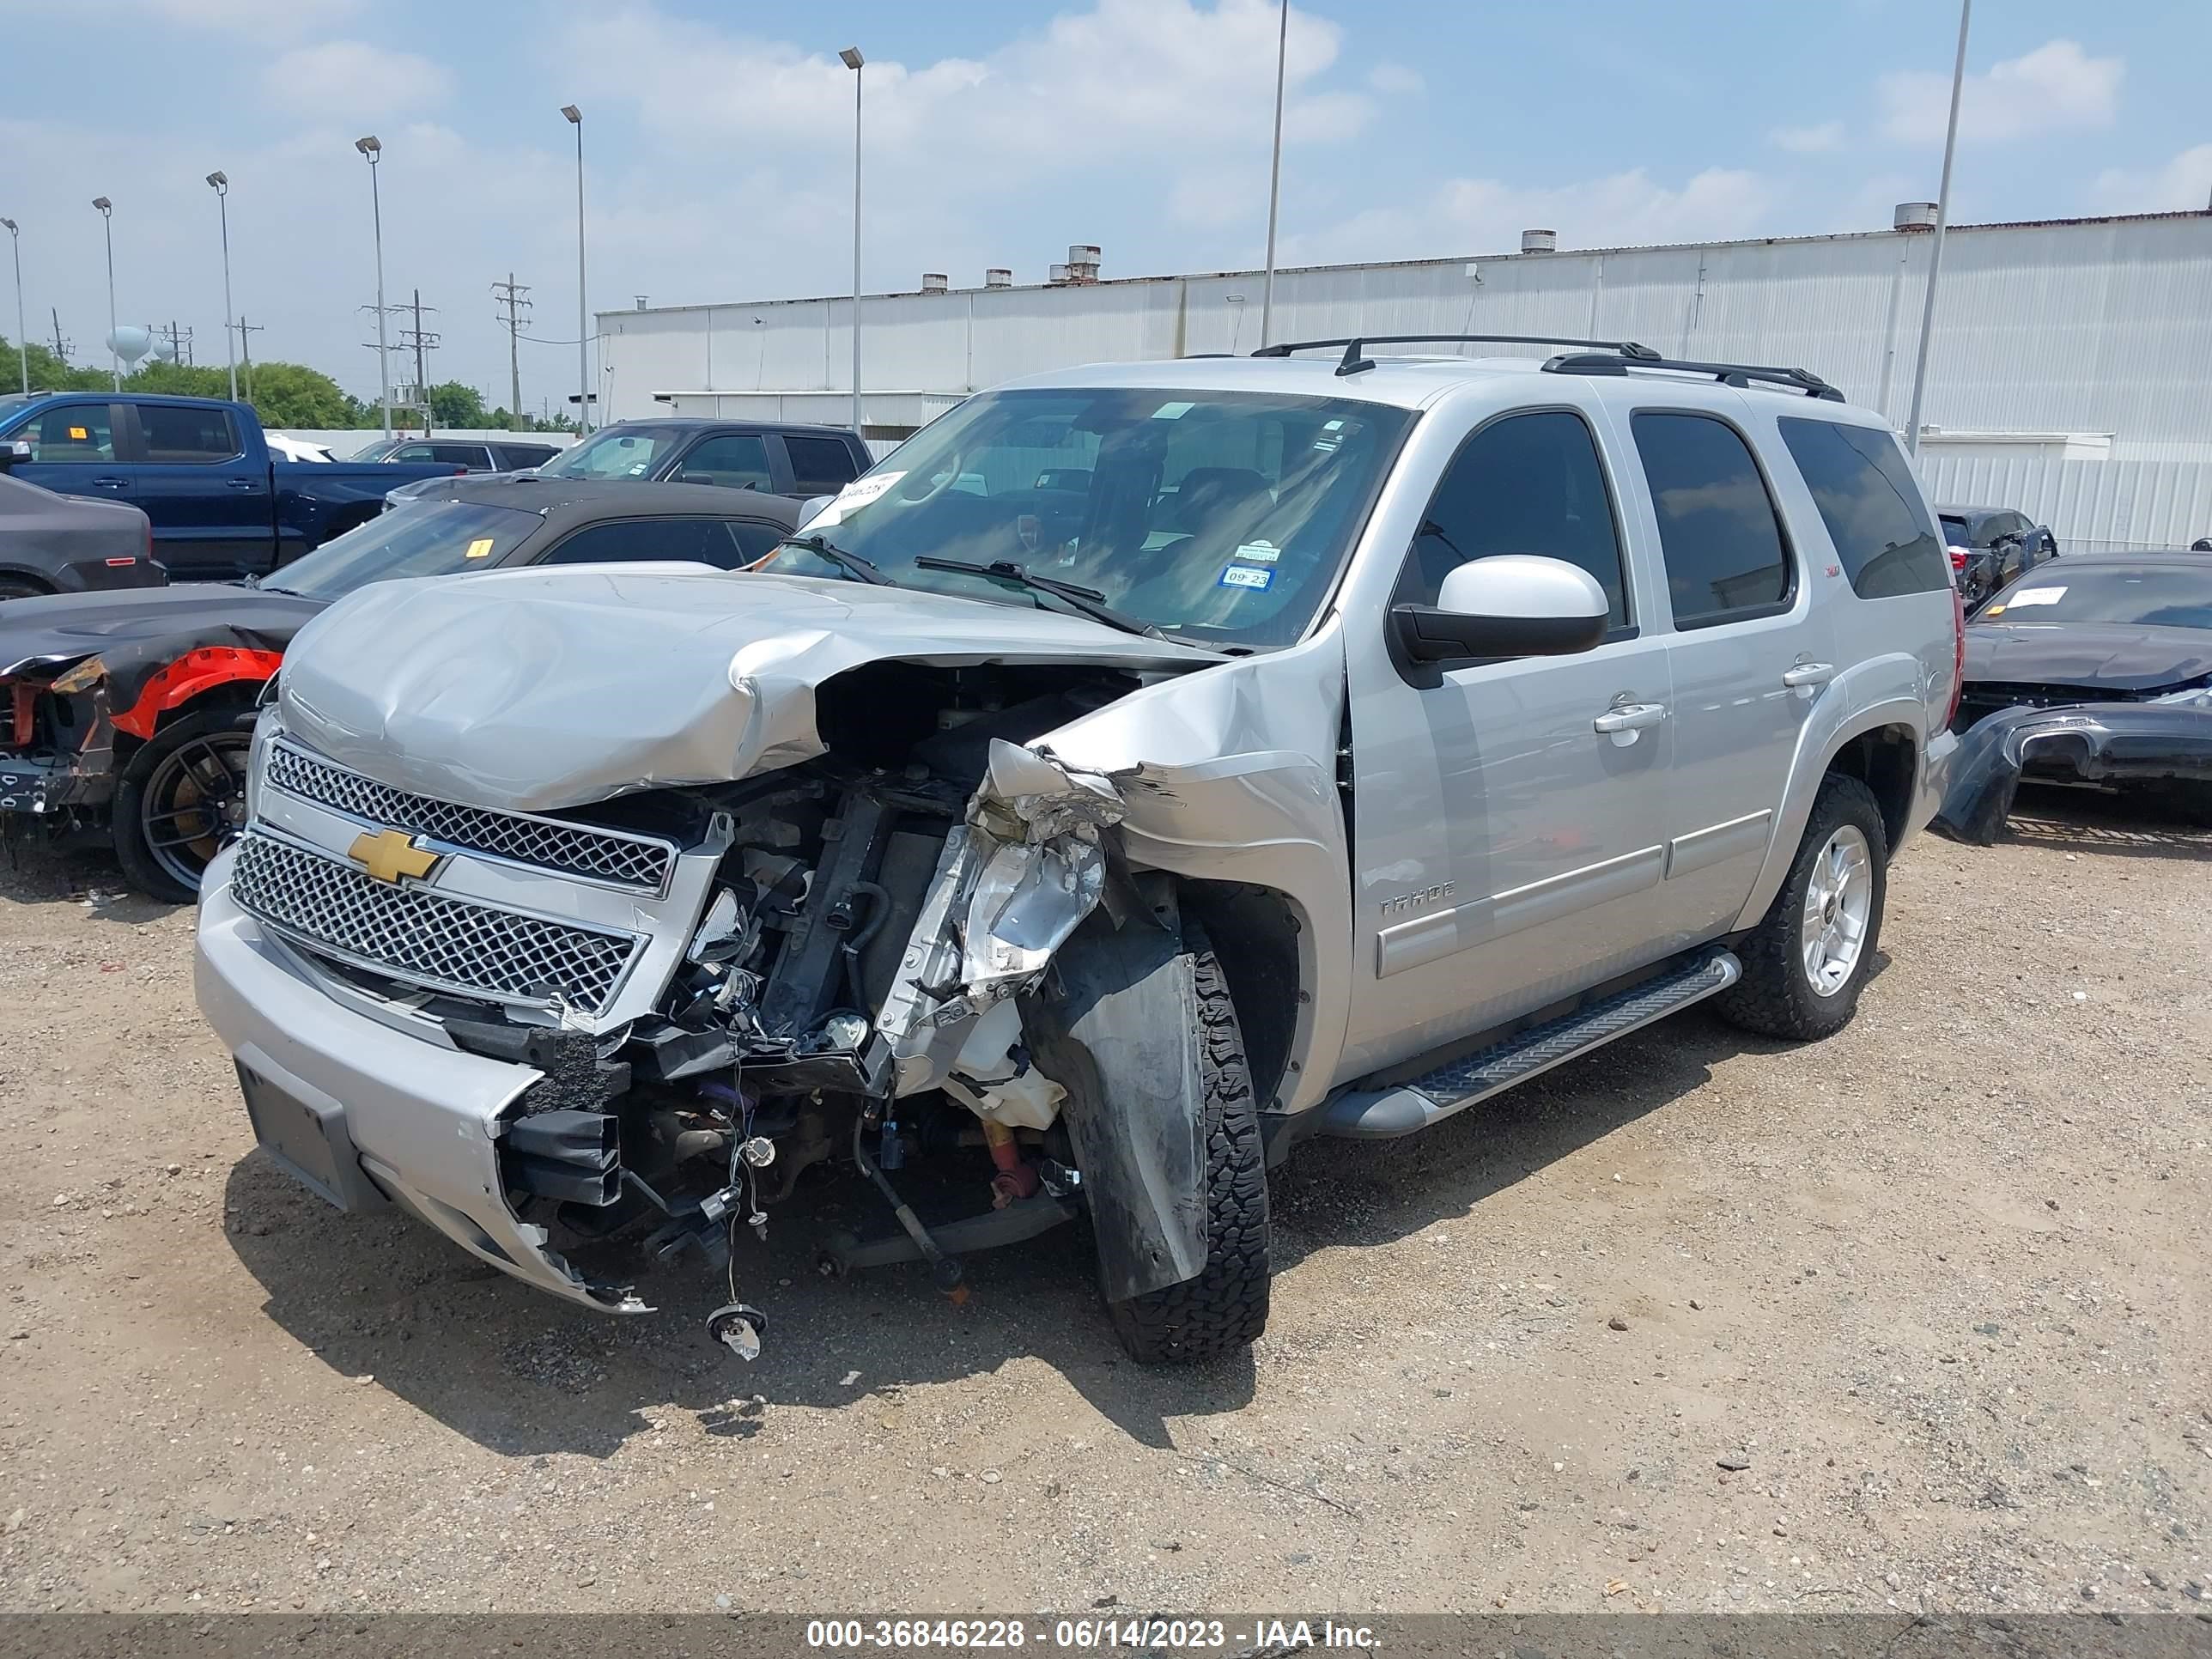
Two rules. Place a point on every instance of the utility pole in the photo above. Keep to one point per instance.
(510, 294)
(1935, 247)
(61, 346)
(180, 344)
(245, 350)
(420, 342)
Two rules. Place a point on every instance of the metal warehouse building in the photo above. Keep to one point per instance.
(2070, 377)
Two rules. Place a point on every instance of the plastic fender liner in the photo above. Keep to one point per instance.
(2090, 742)
(196, 671)
(1115, 1024)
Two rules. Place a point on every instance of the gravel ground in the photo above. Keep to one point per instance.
(1916, 1318)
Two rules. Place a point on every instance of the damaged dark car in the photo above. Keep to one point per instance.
(130, 712)
(2099, 678)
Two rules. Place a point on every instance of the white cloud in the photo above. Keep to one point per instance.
(1396, 81)
(2184, 182)
(1809, 141)
(2058, 85)
(1163, 81)
(1480, 215)
(342, 79)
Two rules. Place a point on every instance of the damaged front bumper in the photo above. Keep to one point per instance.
(53, 786)
(365, 1114)
(2108, 744)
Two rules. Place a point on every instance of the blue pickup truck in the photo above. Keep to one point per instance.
(221, 505)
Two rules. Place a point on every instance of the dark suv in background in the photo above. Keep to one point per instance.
(499, 456)
(1992, 547)
(778, 459)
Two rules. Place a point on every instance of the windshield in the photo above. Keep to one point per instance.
(617, 452)
(2177, 595)
(412, 539)
(1222, 517)
(375, 451)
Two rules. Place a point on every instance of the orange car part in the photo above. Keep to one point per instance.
(25, 697)
(192, 675)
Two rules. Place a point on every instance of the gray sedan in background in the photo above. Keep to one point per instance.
(53, 544)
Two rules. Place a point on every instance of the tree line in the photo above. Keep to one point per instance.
(283, 394)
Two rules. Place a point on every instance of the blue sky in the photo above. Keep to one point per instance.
(719, 142)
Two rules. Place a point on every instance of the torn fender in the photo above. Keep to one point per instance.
(2080, 743)
(1114, 1023)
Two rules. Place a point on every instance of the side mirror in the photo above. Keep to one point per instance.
(14, 452)
(810, 506)
(1513, 605)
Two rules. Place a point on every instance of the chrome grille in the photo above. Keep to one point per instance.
(424, 937)
(570, 848)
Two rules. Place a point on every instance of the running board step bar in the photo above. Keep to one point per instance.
(1383, 1114)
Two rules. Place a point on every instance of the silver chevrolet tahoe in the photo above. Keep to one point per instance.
(1147, 767)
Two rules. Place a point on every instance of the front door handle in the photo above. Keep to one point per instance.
(1806, 678)
(1624, 720)
(110, 483)
(243, 484)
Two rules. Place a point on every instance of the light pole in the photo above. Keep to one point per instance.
(220, 183)
(583, 326)
(1935, 249)
(371, 150)
(1275, 178)
(852, 60)
(108, 220)
(22, 340)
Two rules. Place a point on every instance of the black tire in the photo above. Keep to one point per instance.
(1225, 1309)
(172, 813)
(20, 587)
(1776, 996)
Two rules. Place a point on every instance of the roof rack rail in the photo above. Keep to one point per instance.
(1734, 374)
(1356, 362)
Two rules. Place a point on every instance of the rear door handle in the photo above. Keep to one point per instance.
(1806, 678)
(110, 483)
(1624, 720)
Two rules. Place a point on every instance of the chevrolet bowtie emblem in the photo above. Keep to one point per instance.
(391, 853)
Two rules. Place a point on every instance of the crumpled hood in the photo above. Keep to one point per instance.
(536, 690)
(62, 627)
(2116, 656)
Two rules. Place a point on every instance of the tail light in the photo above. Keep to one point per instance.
(1958, 656)
(1958, 558)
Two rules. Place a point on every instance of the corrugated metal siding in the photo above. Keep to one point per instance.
(2091, 506)
(2094, 325)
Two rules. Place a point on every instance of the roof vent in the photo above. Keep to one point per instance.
(998, 277)
(1540, 241)
(1916, 216)
(935, 282)
(1058, 274)
(1083, 262)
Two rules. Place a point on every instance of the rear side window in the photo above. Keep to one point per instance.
(819, 466)
(186, 436)
(519, 456)
(461, 455)
(734, 460)
(700, 541)
(1871, 507)
(1528, 484)
(1719, 529)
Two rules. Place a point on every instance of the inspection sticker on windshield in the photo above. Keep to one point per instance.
(2034, 596)
(1242, 576)
(1259, 553)
(479, 549)
(1172, 412)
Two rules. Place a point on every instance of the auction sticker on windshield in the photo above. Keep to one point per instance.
(2034, 596)
(857, 494)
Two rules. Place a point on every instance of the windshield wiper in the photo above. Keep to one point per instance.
(851, 564)
(1089, 600)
